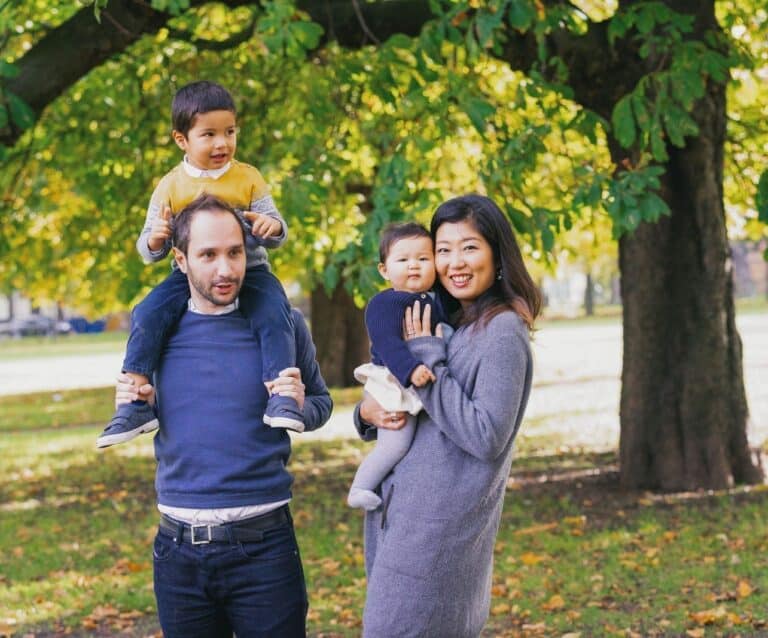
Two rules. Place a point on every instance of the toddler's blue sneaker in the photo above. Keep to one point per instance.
(129, 420)
(283, 412)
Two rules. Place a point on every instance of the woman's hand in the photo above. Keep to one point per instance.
(372, 412)
(126, 391)
(288, 384)
(418, 325)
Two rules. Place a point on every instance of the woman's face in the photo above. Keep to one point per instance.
(464, 261)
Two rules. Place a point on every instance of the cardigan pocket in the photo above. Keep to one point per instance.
(413, 543)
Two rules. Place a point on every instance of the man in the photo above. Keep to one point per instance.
(225, 555)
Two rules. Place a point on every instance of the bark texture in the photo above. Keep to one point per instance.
(683, 403)
(338, 329)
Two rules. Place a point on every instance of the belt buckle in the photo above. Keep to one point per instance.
(200, 541)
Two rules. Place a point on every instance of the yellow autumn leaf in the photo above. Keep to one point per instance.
(529, 558)
(554, 603)
(709, 616)
(575, 521)
(499, 590)
(500, 609)
(743, 589)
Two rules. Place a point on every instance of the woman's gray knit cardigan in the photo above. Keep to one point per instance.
(429, 548)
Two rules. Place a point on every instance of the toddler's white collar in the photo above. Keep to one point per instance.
(193, 171)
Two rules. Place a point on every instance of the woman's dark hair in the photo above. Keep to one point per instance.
(513, 288)
(195, 98)
(183, 221)
(396, 232)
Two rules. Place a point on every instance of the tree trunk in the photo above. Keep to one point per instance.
(338, 329)
(589, 295)
(683, 404)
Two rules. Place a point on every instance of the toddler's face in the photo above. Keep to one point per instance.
(410, 265)
(212, 140)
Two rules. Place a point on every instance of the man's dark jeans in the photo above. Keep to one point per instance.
(252, 589)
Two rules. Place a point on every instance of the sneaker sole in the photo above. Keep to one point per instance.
(283, 423)
(114, 439)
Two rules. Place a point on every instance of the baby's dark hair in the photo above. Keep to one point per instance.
(396, 232)
(195, 98)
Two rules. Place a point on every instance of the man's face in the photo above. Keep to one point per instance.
(215, 260)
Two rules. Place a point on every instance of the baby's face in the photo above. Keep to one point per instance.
(410, 265)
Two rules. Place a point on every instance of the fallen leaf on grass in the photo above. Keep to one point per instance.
(500, 609)
(529, 558)
(743, 589)
(330, 567)
(554, 603)
(716, 616)
(535, 529)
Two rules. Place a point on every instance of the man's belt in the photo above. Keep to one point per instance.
(249, 529)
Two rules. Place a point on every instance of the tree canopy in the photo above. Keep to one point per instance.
(647, 115)
(350, 138)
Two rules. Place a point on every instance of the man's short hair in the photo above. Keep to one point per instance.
(195, 98)
(396, 232)
(204, 203)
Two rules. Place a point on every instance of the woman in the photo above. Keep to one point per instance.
(429, 547)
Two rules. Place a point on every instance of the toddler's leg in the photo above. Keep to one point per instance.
(391, 446)
(263, 301)
(151, 323)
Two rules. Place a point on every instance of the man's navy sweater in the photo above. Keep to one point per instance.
(213, 449)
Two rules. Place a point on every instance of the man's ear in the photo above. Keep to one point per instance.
(180, 139)
(383, 271)
(181, 259)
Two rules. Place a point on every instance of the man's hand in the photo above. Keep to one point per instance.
(372, 412)
(126, 391)
(422, 375)
(161, 230)
(263, 225)
(288, 384)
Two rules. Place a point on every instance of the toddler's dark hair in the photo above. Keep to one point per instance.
(195, 98)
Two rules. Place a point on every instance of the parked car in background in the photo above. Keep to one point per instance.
(32, 325)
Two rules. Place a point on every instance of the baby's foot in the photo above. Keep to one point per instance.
(363, 499)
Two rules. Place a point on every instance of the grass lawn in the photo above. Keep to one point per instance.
(575, 554)
(62, 345)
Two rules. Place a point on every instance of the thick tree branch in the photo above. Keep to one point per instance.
(73, 49)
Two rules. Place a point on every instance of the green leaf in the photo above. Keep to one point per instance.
(478, 111)
(522, 14)
(624, 122)
(21, 115)
(330, 277)
(761, 198)
(658, 146)
(486, 23)
(8, 70)
(652, 207)
(308, 34)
